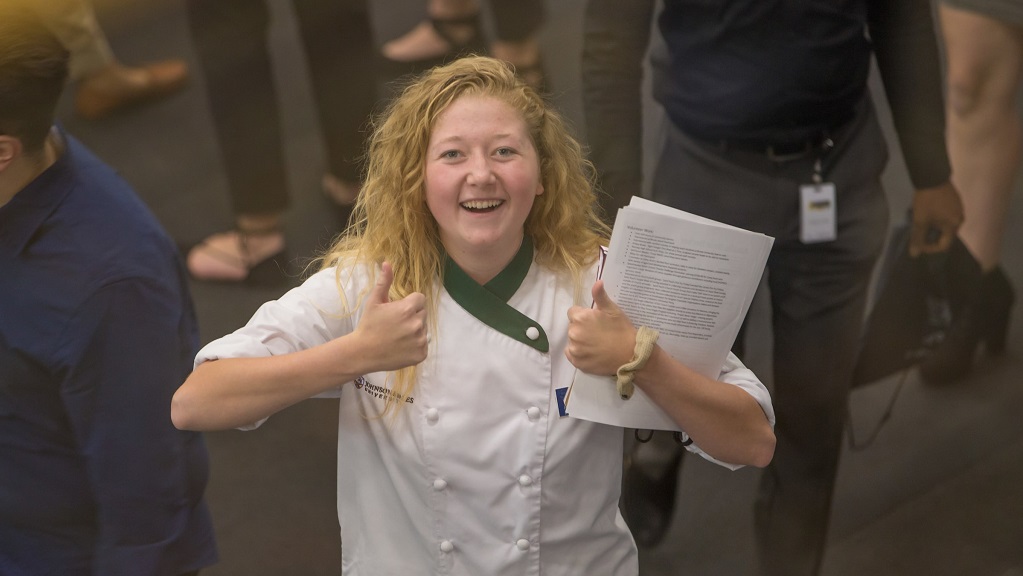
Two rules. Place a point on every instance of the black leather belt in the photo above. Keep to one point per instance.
(824, 139)
(776, 152)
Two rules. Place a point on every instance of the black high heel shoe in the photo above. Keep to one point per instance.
(984, 317)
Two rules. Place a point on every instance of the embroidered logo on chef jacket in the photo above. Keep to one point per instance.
(560, 393)
(378, 391)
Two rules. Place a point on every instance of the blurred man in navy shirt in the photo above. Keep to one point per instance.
(771, 127)
(97, 330)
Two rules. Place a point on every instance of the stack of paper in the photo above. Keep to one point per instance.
(690, 278)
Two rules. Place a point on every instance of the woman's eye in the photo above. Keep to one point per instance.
(450, 154)
(505, 151)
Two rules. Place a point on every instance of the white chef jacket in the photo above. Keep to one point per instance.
(478, 474)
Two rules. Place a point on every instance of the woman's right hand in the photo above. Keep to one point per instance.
(392, 334)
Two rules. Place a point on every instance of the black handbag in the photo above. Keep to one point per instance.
(915, 301)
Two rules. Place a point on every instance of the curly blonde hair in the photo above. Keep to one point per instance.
(391, 221)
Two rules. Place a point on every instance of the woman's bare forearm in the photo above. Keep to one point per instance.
(724, 420)
(234, 392)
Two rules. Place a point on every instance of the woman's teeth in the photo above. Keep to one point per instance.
(477, 205)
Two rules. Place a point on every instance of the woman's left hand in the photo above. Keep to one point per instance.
(600, 338)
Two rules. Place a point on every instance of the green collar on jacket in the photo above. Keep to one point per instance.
(489, 303)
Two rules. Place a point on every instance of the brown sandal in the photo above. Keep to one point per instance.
(534, 75)
(452, 31)
(447, 29)
(234, 255)
(338, 191)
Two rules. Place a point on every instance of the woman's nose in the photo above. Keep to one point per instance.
(480, 172)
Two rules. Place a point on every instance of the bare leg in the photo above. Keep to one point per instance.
(985, 63)
(985, 59)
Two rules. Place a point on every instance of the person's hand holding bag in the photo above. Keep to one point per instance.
(935, 210)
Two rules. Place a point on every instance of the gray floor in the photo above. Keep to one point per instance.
(939, 493)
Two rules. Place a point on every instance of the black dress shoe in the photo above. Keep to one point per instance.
(983, 318)
(648, 503)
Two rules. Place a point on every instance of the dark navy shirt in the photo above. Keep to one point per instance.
(763, 70)
(759, 72)
(97, 331)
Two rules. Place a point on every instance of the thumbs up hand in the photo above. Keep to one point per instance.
(600, 338)
(393, 334)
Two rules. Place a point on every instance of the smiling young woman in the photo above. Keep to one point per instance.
(458, 306)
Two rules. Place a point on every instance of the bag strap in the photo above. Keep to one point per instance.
(860, 446)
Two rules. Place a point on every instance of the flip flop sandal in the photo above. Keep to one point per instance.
(341, 196)
(533, 74)
(447, 29)
(208, 263)
(338, 191)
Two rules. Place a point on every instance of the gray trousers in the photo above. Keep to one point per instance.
(817, 297)
(232, 43)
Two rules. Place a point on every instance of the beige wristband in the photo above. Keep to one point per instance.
(646, 338)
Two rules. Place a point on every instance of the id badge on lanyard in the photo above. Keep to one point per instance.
(818, 221)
